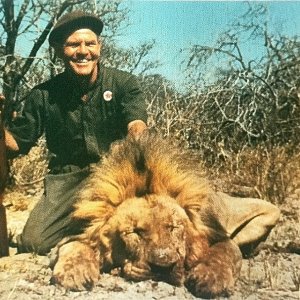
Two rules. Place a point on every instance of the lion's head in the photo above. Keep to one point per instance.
(147, 238)
(149, 213)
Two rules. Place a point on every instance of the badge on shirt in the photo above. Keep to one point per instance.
(107, 95)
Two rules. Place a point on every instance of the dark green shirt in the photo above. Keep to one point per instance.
(78, 132)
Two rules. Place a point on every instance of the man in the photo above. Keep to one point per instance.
(81, 112)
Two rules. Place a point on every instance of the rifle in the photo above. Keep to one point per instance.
(4, 249)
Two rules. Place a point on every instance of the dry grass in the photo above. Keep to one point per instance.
(27, 172)
(264, 172)
(259, 172)
(16, 200)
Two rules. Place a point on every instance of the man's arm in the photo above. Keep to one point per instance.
(134, 107)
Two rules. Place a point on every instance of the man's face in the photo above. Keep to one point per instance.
(81, 52)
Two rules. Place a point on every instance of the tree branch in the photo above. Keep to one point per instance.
(37, 45)
(21, 14)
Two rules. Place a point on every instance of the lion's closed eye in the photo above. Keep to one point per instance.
(171, 228)
(176, 231)
(175, 227)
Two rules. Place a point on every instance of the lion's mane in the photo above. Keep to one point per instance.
(149, 166)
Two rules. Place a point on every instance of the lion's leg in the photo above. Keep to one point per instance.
(246, 220)
(76, 267)
(216, 272)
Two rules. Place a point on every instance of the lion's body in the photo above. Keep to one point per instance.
(151, 214)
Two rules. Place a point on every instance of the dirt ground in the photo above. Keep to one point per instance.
(274, 273)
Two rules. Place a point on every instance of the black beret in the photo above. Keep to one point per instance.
(71, 22)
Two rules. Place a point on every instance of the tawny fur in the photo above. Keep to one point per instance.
(150, 214)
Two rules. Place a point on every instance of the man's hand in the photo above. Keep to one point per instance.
(136, 128)
(10, 141)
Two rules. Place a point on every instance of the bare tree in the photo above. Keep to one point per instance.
(18, 19)
(133, 59)
(248, 100)
(246, 109)
(28, 23)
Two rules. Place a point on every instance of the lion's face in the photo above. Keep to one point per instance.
(147, 238)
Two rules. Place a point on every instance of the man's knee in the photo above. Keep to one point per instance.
(36, 243)
(41, 239)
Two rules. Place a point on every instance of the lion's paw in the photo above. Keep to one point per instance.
(136, 272)
(207, 281)
(77, 267)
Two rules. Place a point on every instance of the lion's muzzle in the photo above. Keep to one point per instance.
(162, 257)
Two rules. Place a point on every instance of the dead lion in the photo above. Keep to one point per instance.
(152, 215)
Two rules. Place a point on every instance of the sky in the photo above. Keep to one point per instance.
(177, 25)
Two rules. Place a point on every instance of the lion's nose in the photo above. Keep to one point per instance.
(162, 257)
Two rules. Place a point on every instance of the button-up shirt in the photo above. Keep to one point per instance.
(78, 132)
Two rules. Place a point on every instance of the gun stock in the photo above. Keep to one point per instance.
(4, 249)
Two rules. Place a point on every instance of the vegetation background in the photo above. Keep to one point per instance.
(243, 122)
